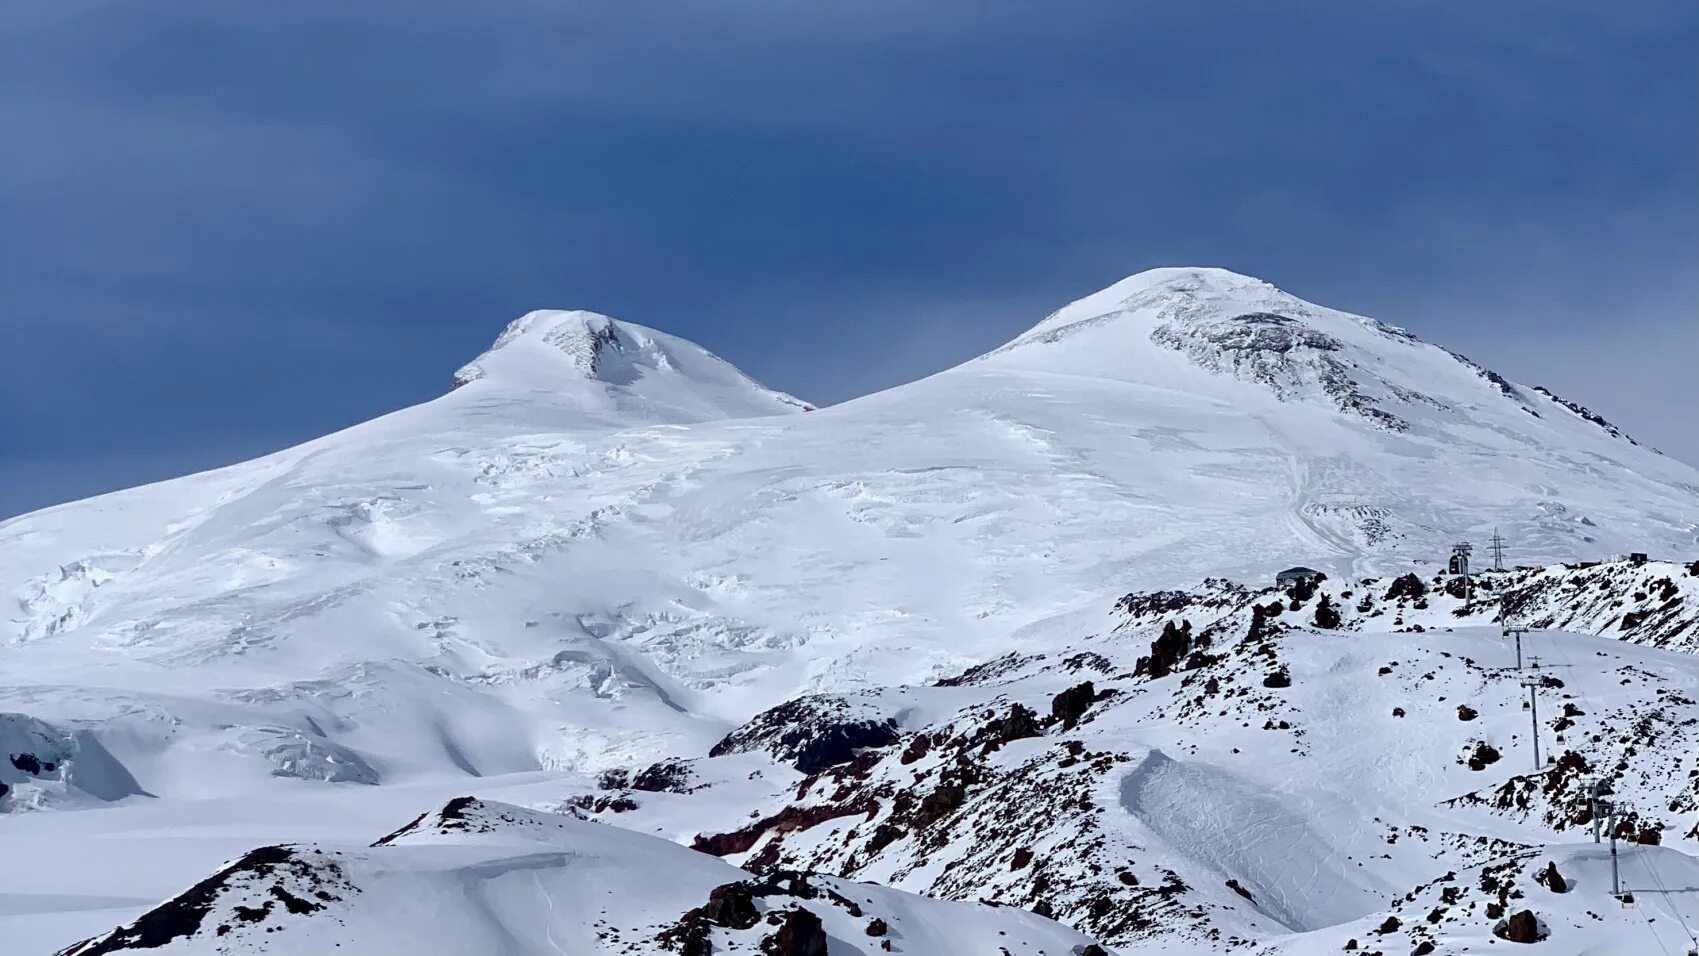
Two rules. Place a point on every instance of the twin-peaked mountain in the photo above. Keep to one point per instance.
(606, 546)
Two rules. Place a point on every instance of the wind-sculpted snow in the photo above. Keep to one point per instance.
(607, 551)
(48, 765)
(1279, 854)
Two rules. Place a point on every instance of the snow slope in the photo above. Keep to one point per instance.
(480, 877)
(606, 547)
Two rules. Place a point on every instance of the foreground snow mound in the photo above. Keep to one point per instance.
(481, 877)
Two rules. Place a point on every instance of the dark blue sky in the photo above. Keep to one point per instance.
(228, 227)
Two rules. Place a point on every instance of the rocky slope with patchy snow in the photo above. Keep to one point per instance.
(1233, 769)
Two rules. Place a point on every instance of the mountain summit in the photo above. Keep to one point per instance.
(646, 372)
(1166, 326)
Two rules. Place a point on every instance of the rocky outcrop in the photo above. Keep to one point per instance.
(812, 733)
(1070, 705)
(280, 879)
(732, 906)
(1522, 927)
(800, 933)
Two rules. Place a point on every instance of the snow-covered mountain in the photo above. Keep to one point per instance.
(605, 547)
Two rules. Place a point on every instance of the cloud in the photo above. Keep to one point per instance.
(275, 219)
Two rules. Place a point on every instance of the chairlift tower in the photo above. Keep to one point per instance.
(1596, 794)
(1516, 631)
(1613, 812)
(1458, 567)
(1533, 682)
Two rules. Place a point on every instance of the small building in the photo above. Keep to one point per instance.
(1291, 577)
(1637, 558)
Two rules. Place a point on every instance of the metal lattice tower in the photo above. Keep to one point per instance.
(1497, 551)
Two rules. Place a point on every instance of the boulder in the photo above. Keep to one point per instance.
(800, 933)
(1521, 927)
(732, 906)
(1070, 705)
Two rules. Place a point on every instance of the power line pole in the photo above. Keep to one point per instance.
(1498, 551)
(1532, 682)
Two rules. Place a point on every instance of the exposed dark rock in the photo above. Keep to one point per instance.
(786, 820)
(27, 763)
(1390, 925)
(917, 748)
(1070, 705)
(939, 804)
(800, 934)
(1304, 588)
(732, 906)
(184, 914)
(1466, 713)
(812, 732)
(1278, 679)
(668, 776)
(1023, 856)
(1551, 879)
(1484, 755)
(1166, 651)
(877, 927)
(1235, 887)
(1327, 615)
(1423, 948)
(1019, 724)
(1521, 927)
(1406, 586)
